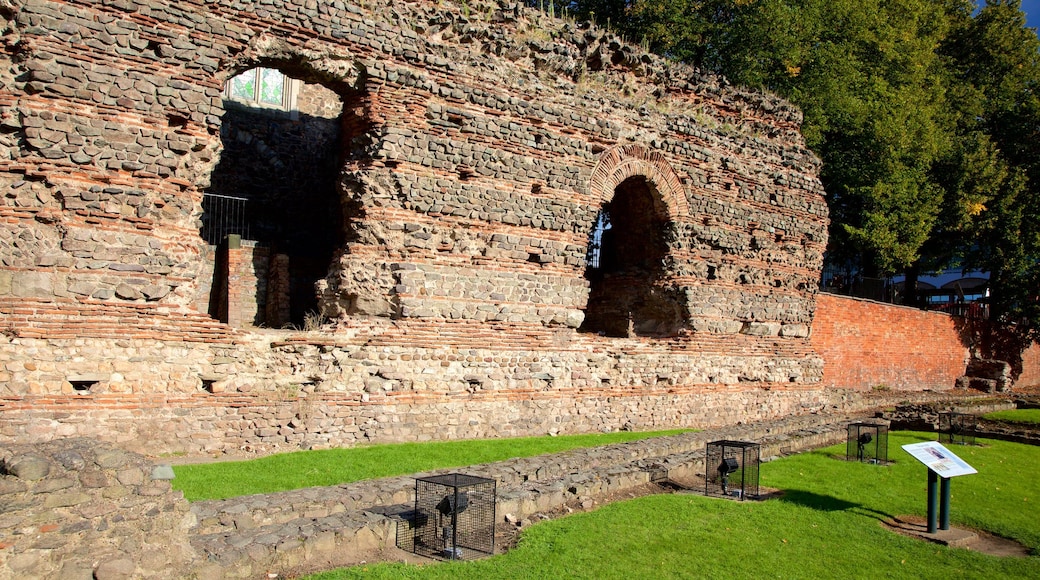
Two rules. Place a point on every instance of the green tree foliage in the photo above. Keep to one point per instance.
(994, 64)
(866, 75)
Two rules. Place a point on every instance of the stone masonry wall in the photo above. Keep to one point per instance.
(478, 144)
(264, 393)
(76, 509)
(478, 156)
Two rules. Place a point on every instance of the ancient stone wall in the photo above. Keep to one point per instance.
(478, 145)
(76, 509)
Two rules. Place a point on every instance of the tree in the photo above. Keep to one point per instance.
(994, 60)
(868, 79)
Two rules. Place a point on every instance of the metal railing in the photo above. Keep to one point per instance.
(223, 215)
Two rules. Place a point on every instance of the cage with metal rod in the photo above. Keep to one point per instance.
(957, 428)
(867, 442)
(731, 469)
(454, 516)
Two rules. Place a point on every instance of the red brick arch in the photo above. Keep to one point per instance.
(619, 163)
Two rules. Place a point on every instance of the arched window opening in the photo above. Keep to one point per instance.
(625, 262)
(275, 187)
(263, 87)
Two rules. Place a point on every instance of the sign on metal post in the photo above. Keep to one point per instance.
(942, 464)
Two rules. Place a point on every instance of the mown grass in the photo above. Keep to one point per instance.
(826, 525)
(1029, 416)
(334, 466)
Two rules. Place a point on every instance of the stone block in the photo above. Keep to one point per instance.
(29, 467)
(115, 569)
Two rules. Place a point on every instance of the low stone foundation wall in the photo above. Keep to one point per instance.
(157, 384)
(234, 423)
(77, 509)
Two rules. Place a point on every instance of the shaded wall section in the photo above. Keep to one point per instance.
(1030, 376)
(868, 345)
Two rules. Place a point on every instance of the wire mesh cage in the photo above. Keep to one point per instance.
(731, 469)
(454, 516)
(957, 428)
(867, 442)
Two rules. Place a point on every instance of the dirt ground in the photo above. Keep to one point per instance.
(979, 541)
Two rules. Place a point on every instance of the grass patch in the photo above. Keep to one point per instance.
(827, 525)
(300, 469)
(1028, 416)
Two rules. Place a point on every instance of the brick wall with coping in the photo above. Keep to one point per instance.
(866, 344)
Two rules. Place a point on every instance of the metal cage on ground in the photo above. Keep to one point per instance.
(957, 428)
(454, 516)
(731, 469)
(867, 442)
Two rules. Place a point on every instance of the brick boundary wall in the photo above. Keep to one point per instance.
(1030, 376)
(867, 344)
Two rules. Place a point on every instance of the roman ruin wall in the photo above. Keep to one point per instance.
(425, 260)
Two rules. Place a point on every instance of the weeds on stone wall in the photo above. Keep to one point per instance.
(314, 321)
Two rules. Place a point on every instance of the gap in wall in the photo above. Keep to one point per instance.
(626, 261)
(276, 186)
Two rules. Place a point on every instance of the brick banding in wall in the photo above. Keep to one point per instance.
(416, 264)
(619, 163)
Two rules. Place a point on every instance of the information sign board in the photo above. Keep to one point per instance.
(939, 459)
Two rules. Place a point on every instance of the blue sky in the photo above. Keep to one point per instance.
(1032, 10)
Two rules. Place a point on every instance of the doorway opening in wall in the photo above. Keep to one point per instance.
(626, 263)
(275, 187)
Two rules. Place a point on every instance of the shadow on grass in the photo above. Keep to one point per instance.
(816, 501)
(828, 503)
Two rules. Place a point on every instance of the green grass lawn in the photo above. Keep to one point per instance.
(826, 525)
(1015, 416)
(334, 466)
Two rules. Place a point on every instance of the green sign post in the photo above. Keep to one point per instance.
(942, 465)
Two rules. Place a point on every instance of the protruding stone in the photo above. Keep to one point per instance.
(115, 569)
(163, 472)
(110, 458)
(30, 466)
(128, 292)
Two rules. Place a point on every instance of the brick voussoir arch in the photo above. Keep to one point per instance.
(624, 161)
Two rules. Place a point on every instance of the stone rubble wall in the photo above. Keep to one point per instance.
(480, 141)
(489, 123)
(302, 395)
(78, 509)
(462, 143)
(218, 391)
